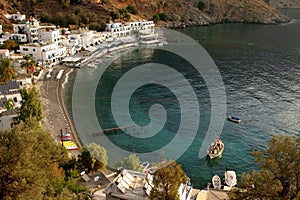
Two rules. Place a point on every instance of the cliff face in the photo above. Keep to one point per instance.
(179, 12)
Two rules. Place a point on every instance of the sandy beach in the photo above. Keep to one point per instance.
(55, 113)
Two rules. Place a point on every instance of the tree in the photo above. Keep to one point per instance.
(279, 172)
(93, 158)
(29, 64)
(201, 5)
(114, 15)
(9, 104)
(30, 105)
(167, 180)
(27, 152)
(132, 162)
(164, 17)
(10, 45)
(7, 71)
(132, 9)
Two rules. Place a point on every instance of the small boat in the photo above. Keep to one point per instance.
(215, 149)
(234, 119)
(66, 137)
(69, 145)
(230, 178)
(216, 181)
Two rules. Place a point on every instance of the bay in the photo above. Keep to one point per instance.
(260, 68)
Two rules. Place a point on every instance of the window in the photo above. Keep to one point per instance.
(33, 49)
(25, 49)
(15, 99)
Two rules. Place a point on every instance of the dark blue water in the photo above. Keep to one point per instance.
(260, 68)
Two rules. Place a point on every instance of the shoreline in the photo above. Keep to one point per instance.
(56, 115)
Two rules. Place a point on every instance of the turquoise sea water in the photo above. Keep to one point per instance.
(260, 68)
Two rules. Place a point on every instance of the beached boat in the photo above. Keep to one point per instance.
(215, 149)
(66, 136)
(69, 145)
(216, 181)
(234, 119)
(230, 178)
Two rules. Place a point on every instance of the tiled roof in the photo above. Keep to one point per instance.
(9, 112)
(6, 88)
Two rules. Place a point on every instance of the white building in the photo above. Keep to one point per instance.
(48, 53)
(49, 34)
(1, 29)
(118, 29)
(30, 28)
(16, 17)
(19, 38)
(145, 27)
(4, 53)
(9, 92)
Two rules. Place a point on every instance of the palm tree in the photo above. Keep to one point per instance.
(7, 70)
(29, 63)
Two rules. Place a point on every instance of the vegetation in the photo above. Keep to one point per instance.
(30, 105)
(29, 63)
(132, 162)
(114, 15)
(7, 71)
(164, 17)
(9, 104)
(279, 172)
(10, 45)
(201, 5)
(93, 158)
(167, 180)
(132, 9)
(99, 153)
(27, 153)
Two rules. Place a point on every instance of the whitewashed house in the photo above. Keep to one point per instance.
(49, 34)
(16, 17)
(118, 29)
(30, 28)
(48, 53)
(144, 27)
(19, 38)
(4, 53)
(9, 92)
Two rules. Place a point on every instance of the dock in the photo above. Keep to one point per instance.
(109, 130)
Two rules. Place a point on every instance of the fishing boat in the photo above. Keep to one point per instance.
(216, 181)
(230, 178)
(215, 149)
(66, 136)
(234, 119)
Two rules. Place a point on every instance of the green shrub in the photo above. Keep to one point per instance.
(132, 9)
(201, 5)
(164, 17)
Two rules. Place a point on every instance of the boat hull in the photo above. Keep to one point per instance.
(216, 181)
(230, 178)
(215, 150)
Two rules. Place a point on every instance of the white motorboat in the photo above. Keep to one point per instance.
(216, 181)
(234, 119)
(230, 178)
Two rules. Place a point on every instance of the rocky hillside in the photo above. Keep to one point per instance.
(285, 3)
(170, 13)
(6, 8)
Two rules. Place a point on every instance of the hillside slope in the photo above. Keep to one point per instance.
(178, 13)
(285, 3)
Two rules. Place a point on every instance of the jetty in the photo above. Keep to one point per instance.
(109, 130)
